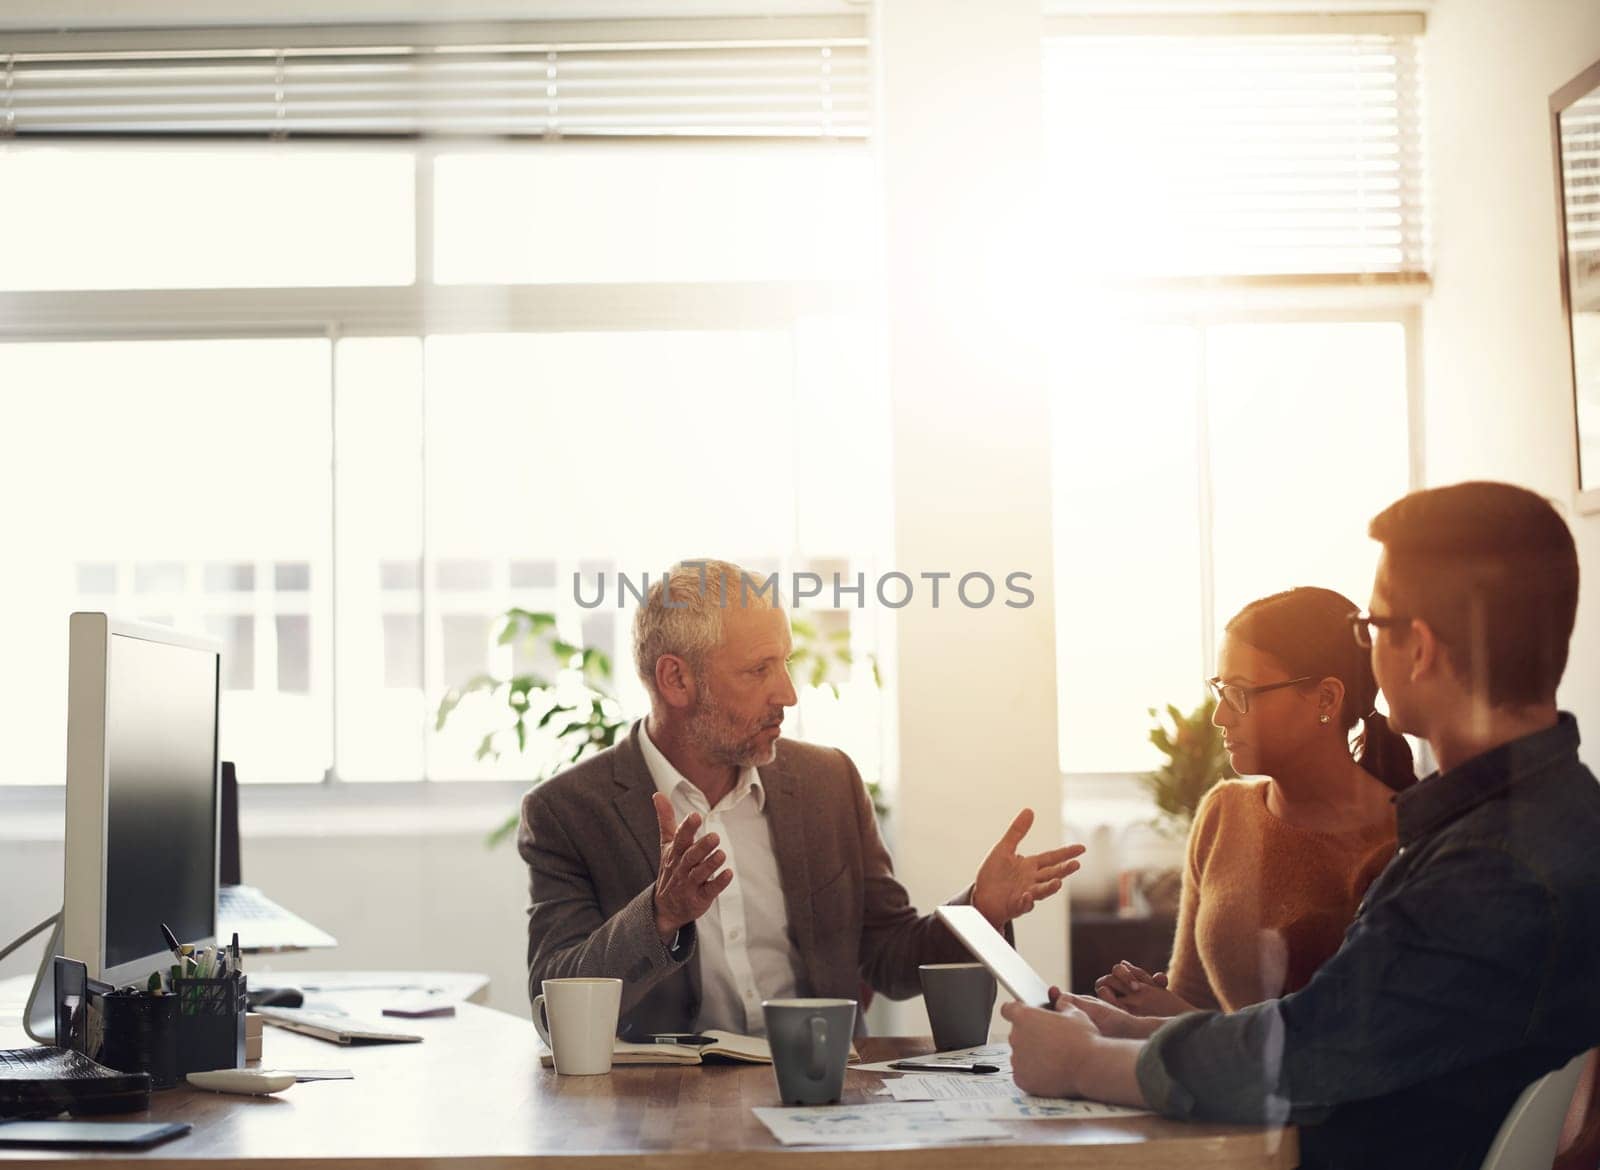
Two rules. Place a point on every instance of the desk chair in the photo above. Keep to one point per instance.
(1528, 1136)
(1579, 1148)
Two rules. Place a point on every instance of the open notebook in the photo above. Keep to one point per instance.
(725, 1046)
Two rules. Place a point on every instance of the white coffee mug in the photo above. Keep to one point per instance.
(582, 1023)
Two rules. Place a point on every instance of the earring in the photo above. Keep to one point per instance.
(1323, 718)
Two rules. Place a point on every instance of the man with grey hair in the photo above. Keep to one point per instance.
(788, 890)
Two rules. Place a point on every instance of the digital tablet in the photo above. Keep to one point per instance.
(990, 948)
(90, 1135)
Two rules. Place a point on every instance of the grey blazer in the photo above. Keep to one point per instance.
(592, 845)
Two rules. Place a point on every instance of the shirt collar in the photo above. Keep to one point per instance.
(1444, 796)
(668, 779)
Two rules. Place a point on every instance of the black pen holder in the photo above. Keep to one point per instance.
(198, 1025)
(210, 1023)
(134, 1033)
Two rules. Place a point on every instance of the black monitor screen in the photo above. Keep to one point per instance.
(161, 793)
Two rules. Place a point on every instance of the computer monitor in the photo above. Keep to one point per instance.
(142, 797)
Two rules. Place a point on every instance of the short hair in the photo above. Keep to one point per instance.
(690, 625)
(1493, 571)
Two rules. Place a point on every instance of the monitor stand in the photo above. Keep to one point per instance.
(39, 1017)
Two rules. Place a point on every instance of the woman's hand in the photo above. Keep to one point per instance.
(1110, 1020)
(1140, 993)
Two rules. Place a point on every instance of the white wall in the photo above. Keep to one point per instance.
(1498, 387)
(960, 144)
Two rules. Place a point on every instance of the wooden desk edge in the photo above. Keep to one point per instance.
(1246, 1149)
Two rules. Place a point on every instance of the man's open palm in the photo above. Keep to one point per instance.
(1011, 883)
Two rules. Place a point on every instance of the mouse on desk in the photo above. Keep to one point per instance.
(288, 997)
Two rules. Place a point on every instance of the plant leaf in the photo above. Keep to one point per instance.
(453, 696)
(503, 831)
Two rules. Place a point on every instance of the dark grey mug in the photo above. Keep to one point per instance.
(810, 1040)
(960, 1001)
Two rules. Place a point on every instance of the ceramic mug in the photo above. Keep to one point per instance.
(810, 1041)
(577, 1020)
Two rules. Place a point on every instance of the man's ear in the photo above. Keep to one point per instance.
(674, 683)
(1427, 652)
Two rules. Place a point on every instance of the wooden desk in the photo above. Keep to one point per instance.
(474, 1090)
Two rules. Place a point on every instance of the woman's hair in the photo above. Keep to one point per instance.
(1308, 631)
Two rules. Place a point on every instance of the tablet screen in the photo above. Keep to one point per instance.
(990, 948)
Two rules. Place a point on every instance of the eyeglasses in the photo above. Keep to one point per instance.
(1239, 697)
(1365, 626)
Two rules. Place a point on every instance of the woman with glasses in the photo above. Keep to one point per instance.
(1278, 862)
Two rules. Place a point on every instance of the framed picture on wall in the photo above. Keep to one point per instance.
(1575, 130)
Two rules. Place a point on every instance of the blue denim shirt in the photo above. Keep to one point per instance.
(1471, 969)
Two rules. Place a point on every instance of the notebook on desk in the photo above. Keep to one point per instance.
(725, 1047)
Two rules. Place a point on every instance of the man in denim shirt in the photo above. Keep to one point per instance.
(1473, 966)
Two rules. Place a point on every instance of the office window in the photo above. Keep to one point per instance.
(237, 633)
(457, 376)
(94, 579)
(1262, 452)
(230, 578)
(1309, 441)
(585, 214)
(294, 654)
(617, 454)
(1238, 244)
(154, 463)
(1127, 538)
(1233, 155)
(186, 218)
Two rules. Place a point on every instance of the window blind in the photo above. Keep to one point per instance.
(1237, 155)
(1580, 153)
(788, 87)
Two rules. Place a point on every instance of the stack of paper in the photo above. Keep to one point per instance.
(948, 1086)
(1021, 1107)
(877, 1125)
(995, 1098)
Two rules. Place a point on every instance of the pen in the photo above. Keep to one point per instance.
(913, 1066)
(172, 945)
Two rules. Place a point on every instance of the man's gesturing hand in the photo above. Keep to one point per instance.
(688, 881)
(1009, 883)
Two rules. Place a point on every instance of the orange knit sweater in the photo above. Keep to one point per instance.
(1264, 903)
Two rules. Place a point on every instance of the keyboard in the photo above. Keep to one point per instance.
(262, 924)
(41, 1082)
(334, 1028)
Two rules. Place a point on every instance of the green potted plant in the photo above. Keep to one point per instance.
(1195, 761)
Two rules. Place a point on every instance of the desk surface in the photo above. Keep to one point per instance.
(474, 1089)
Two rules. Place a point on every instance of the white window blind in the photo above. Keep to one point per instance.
(330, 83)
(1236, 155)
(1580, 151)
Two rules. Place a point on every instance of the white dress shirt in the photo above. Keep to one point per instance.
(744, 950)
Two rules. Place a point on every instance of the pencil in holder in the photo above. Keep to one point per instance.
(210, 1015)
